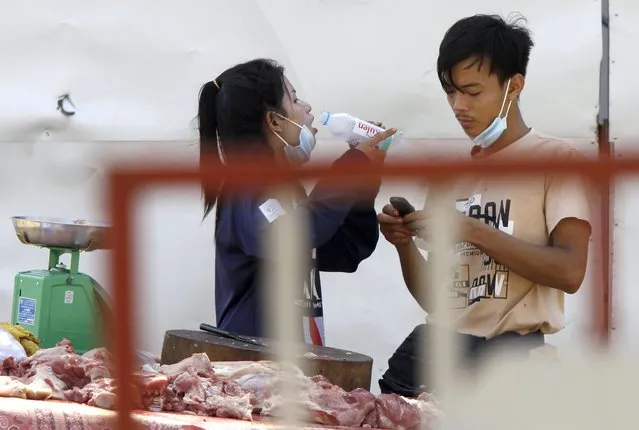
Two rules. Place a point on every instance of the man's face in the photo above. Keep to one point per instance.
(478, 101)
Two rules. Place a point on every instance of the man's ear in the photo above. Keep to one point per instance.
(517, 84)
(274, 122)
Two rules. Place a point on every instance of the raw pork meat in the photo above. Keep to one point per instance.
(150, 386)
(42, 378)
(331, 405)
(60, 369)
(43, 356)
(98, 354)
(263, 387)
(102, 392)
(261, 378)
(9, 367)
(396, 412)
(326, 403)
(193, 387)
(11, 386)
(59, 373)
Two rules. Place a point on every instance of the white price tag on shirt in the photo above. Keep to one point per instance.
(272, 210)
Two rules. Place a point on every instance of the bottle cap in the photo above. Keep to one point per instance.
(324, 117)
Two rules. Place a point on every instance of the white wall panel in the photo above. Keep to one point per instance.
(624, 91)
(133, 70)
(624, 132)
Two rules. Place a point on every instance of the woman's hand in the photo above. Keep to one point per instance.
(376, 155)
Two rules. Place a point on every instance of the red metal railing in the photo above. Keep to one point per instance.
(125, 184)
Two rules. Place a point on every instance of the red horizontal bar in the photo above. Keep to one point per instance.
(125, 181)
(252, 172)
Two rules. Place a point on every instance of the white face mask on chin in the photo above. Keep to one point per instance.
(498, 126)
(298, 154)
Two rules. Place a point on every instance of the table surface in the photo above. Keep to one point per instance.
(19, 414)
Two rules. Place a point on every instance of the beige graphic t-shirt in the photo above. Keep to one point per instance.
(486, 298)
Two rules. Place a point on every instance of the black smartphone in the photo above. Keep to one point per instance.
(402, 206)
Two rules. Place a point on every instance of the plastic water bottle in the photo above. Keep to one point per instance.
(354, 130)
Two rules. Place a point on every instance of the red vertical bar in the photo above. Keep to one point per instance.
(603, 294)
(120, 190)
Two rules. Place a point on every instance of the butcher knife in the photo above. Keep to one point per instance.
(218, 331)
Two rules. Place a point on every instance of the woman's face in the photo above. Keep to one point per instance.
(298, 111)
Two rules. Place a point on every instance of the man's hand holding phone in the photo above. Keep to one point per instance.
(391, 221)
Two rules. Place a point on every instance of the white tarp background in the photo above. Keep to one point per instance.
(134, 69)
(624, 132)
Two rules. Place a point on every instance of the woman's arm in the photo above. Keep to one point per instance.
(328, 208)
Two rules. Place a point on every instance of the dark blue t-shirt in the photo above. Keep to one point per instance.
(343, 232)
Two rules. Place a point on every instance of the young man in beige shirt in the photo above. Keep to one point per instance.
(523, 241)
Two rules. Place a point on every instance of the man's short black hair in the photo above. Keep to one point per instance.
(506, 45)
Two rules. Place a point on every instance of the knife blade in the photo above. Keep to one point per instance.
(218, 331)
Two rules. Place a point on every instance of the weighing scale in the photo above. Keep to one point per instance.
(60, 302)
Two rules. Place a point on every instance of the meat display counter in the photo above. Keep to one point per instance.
(21, 414)
(58, 388)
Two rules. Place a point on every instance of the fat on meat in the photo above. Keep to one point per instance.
(237, 369)
(260, 378)
(264, 388)
(102, 392)
(12, 387)
(42, 377)
(46, 355)
(189, 392)
(198, 363)
(98, 354)
(61, 374)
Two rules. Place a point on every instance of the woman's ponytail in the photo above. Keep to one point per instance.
(207, 117)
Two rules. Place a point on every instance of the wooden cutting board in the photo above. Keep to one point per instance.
(346, 369)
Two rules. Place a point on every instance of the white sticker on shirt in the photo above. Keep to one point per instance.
(472, 201)
(272, 210)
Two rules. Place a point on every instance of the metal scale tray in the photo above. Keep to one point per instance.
(75, 234)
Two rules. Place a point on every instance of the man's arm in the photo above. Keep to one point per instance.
(559, 264)
(415, 272)
(562, 265)
(412, 262)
